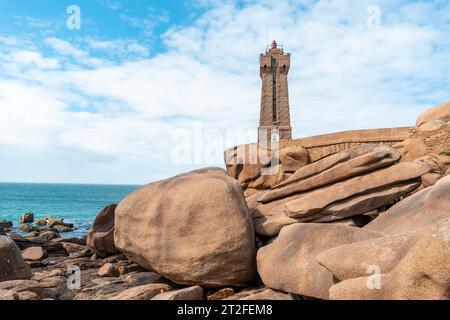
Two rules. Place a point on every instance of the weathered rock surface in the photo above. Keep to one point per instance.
(416, 212)
(18, 286)
(100, 237)
(261, 294)
(108, 270)
(12, 265)
(439, 164)
(356, 259)
(423, 273)
(412, 149)
(432, 125)
(345, 164)
(220, 294)
(194, 229)
(430, 179)
(144, 292)
(140, 278)
(288, 263)
(440, 112)
(315, 203)
(190, 293)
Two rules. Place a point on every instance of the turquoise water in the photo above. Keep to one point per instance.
(76, 203)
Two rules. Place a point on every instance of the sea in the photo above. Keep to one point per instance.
(75, 203)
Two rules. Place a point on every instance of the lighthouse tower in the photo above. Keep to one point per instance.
(274, 121)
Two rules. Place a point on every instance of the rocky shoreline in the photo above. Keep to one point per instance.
(369, 222)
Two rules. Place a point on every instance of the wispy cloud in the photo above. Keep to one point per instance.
(149, 22)
(111, 4)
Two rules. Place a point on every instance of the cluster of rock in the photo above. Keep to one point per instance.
(44, 228)
(370, 222)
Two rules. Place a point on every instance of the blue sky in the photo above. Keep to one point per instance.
(148, 89)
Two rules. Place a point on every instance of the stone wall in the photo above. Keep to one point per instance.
(437, 141)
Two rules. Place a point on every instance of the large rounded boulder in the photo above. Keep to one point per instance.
(194, 229)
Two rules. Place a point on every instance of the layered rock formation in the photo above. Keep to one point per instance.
(349, 183)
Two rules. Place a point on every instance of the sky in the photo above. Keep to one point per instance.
(129, 92)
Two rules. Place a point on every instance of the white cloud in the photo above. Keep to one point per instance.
(149, 22)
(25, 58)
(114, 121)
(121, 48)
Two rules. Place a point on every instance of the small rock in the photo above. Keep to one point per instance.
(27, 295)
(221, 294)
(135, 268)
(76, 250)
(62, 228)
(32, 234)
(38, 276)
(8, 295)
(51, 293)
(101, 289)
(144, 292)
(190, 293)
(74, 240)
(115, 258)
(5, 225)
(33, 254)
(261, 294)
(25, 227)
(139, 278)
(27, 218)
(108, 270)
(101, 236)
(122, 270)
(41, 222)
(48, 235)
(430, 179)
(54, 222)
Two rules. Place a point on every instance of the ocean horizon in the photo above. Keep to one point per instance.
(76, 203)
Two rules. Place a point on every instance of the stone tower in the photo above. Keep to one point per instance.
(274, 114)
